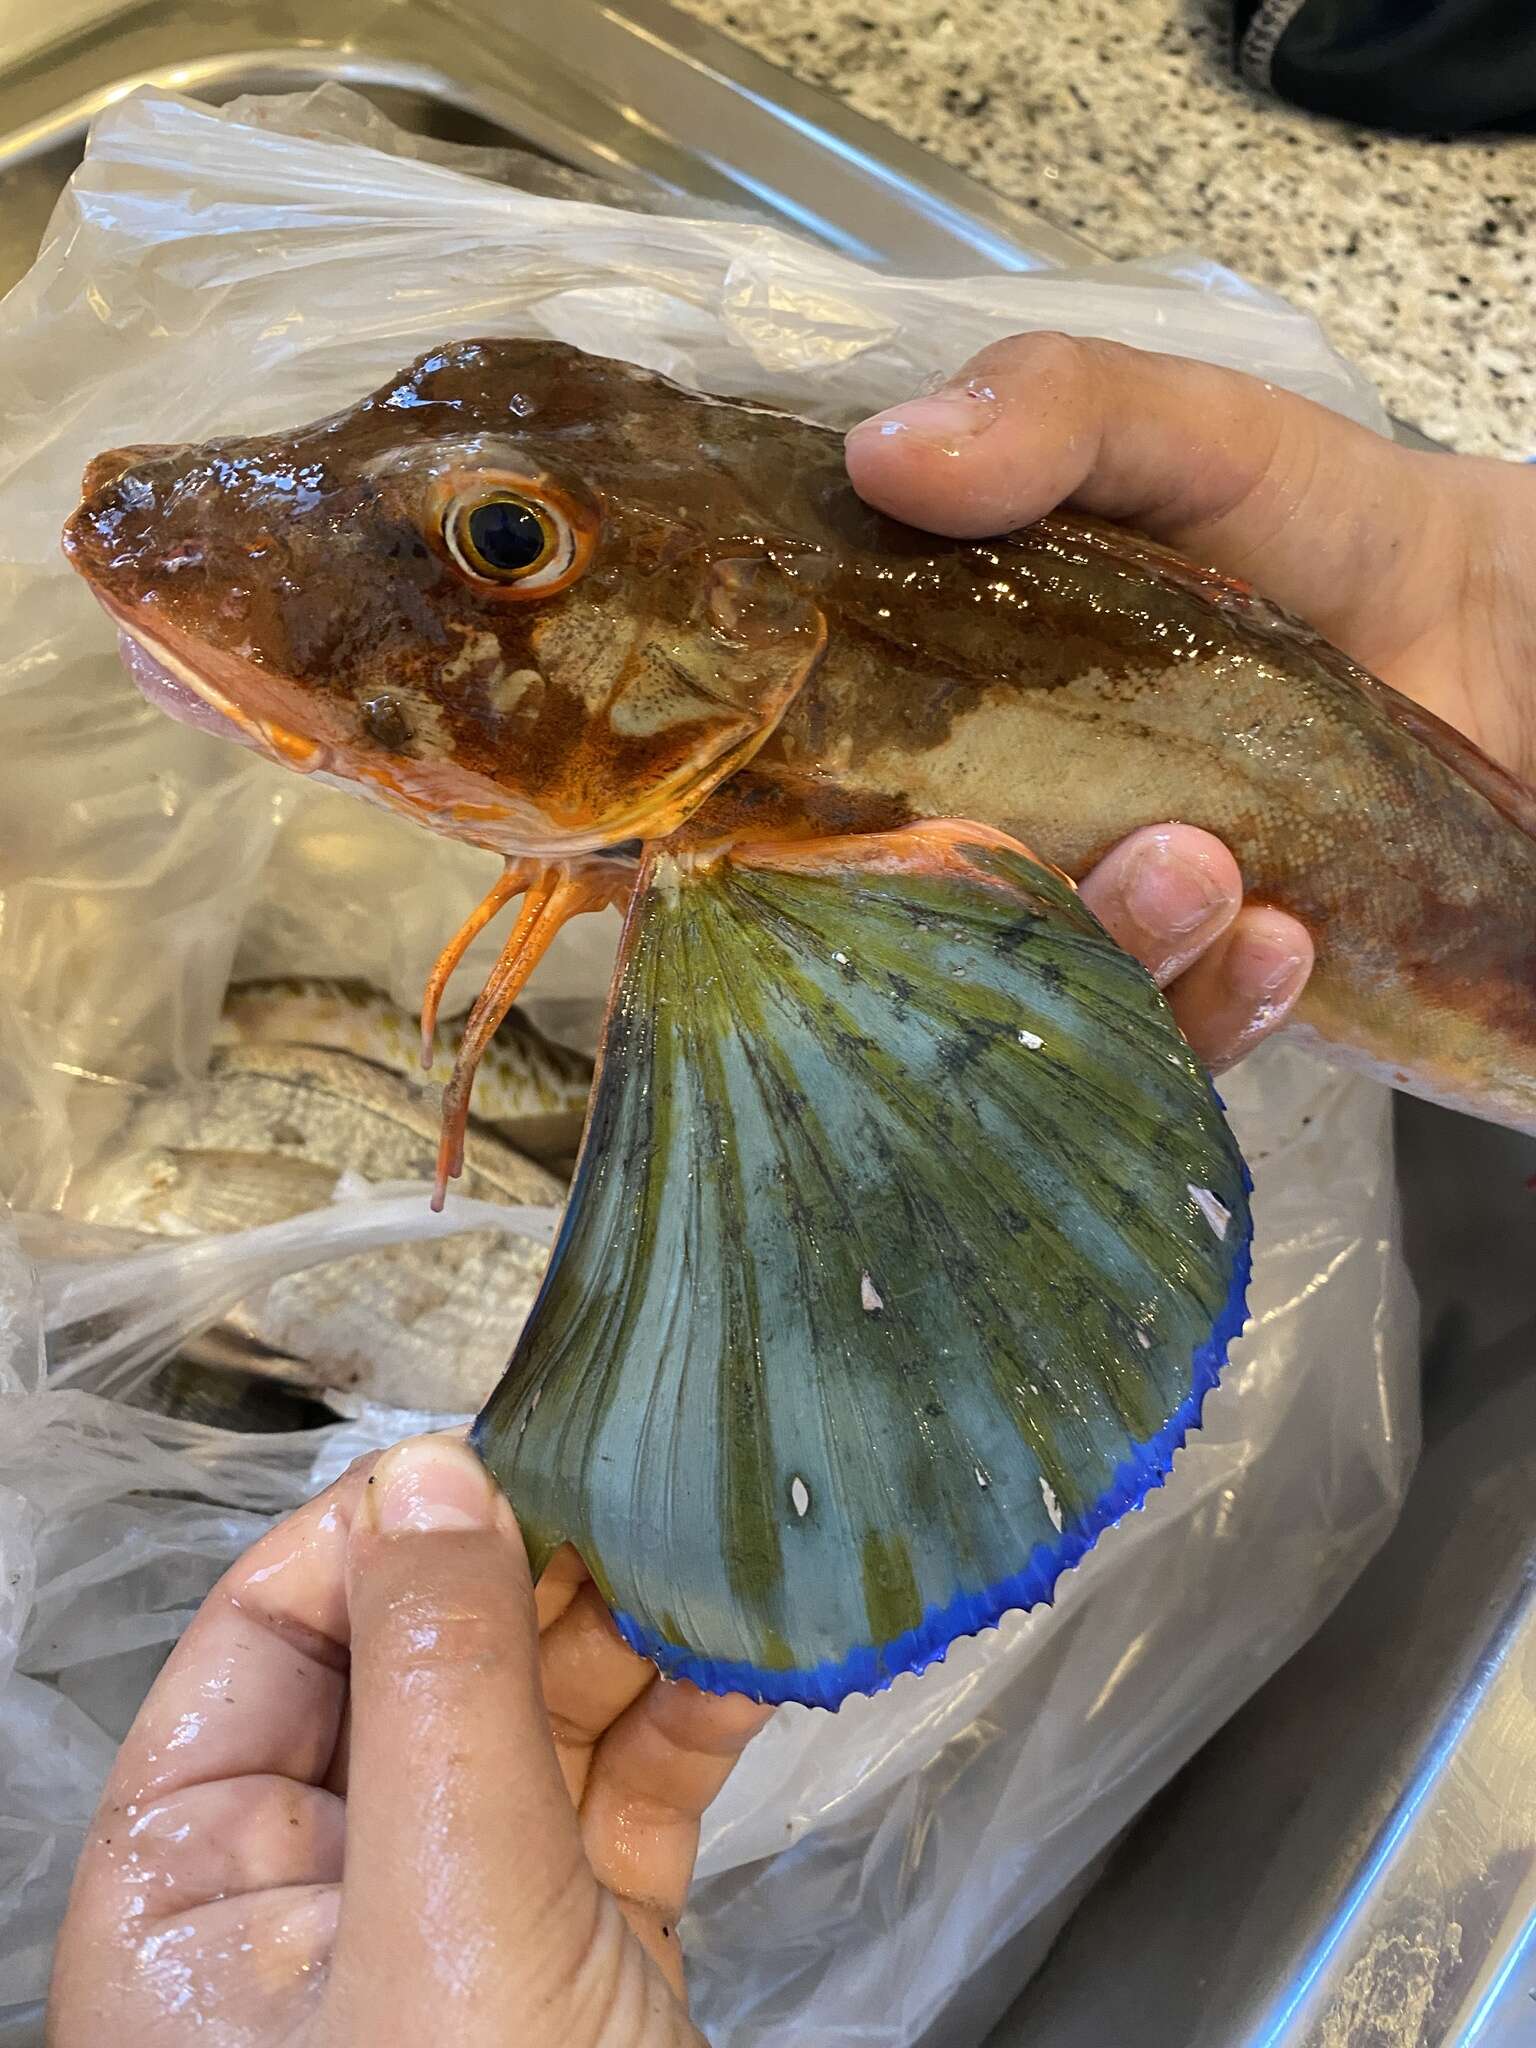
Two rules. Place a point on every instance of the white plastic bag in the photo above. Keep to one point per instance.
(110, 1320)
(870, 1877)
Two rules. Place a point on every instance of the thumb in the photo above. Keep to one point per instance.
(467, 1897)
(1330, 518)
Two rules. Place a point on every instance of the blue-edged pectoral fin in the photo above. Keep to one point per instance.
(907, 1239)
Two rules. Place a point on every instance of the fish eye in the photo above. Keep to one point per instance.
(508, 538)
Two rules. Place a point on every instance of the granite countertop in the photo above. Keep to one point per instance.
(1122, 120)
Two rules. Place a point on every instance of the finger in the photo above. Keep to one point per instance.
(590, 1677)
(653, 1775)
(1254, 480)
(256, 1683)
(226, 1839)
(467, 1898)
(1165, 894)
(335, 1779)
(1245, 987)
(251, 1694)
(559, 1583)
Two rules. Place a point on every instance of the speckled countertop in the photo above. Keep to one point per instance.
(1122, 120)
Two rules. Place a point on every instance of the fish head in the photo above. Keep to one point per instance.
(517, 593)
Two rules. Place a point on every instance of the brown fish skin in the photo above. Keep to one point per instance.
(307, 586)
(1140, 690)
(752, 648)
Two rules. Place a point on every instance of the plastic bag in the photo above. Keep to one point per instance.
(867, 1877)
(109, 1320)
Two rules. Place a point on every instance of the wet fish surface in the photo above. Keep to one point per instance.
(907, 1237)
(720, 631)
(529, 1089)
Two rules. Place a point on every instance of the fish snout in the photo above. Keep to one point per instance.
(119, 521)
(113, 472)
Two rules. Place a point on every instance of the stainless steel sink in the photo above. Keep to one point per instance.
(1351, 1862)
(639, 91)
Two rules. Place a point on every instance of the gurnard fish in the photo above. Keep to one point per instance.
(907, 1235)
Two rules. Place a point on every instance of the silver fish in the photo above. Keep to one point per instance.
(267, 1135)
(531, 1090)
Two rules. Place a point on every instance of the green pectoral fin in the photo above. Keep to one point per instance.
(907, 1239)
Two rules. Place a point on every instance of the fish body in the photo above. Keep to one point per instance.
(907, 1236)
(1113, 685)
(723, 636)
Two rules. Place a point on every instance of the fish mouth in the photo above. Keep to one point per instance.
(229, 697)
(239, 703)
(167, 684)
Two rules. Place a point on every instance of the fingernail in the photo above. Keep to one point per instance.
(1262, 968)
(429, 1485)
(946, 420)
(1168, 896)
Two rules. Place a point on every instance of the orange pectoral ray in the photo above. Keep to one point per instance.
(552, 895)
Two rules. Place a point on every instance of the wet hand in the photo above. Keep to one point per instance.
(380, 1794)
(1173, 897)
(1423, 567)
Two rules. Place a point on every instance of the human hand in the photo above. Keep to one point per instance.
(375, 1797)
(1420, 566)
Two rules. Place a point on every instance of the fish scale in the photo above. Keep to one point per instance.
(266, 1135)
